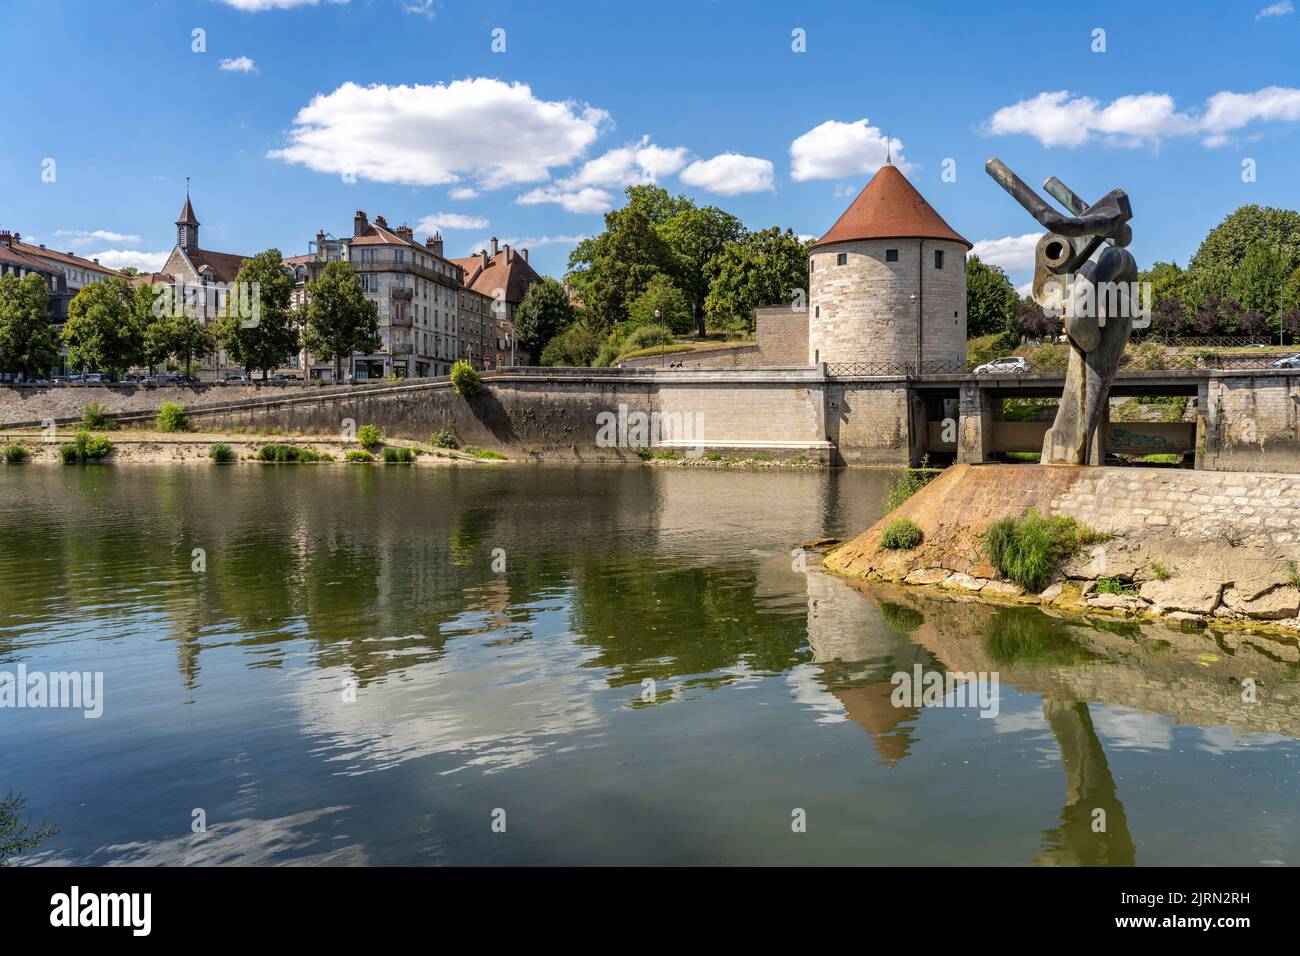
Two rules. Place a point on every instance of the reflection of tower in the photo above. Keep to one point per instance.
(1089, 787)
(859, 651)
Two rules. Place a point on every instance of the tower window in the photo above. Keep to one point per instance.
(817, 312)
(938, 258)
(842, 259)
(891, 255)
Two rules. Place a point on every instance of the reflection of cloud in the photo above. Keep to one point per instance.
(499, 706)
(807, 688)
(244, 842)
(1222, 740)
(1122, 727)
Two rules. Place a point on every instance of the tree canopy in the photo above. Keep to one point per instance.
(27, 341)
(338, 318)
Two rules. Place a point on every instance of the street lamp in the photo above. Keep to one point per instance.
(661, 341)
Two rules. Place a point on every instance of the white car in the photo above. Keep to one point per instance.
(1291, 361)
(1010, 365)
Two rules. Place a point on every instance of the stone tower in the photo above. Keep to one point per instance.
(187, 226)
(887, 283)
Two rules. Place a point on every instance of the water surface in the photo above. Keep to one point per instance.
(650, 679)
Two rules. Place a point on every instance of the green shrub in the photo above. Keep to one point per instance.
(485, 453)
(464, 379)
(92, 447)
(172, 418)
(221, 454)
(1159, 571)
(1028, 550)
(444, 439)
(398, 456)
(908, 482)
(369, 436)
(15, 454)
(358, 456)
(901, 535)
(69, 455)
(95, 415)
(282, 454)
(1114, 586)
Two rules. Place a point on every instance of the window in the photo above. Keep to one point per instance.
(842, 259)
(817, 312)
(891, 255)
(938, 258)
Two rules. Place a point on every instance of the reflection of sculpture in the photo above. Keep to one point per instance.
(1079, 265)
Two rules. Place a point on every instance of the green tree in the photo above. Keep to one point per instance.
(576, 346)
(266, 340)
(695, 235)
(990, 298)
(103, 331)
(544, 312)
(1257, 283)
(27, 341)
(763, 268)
(663, 297)
(339, 319)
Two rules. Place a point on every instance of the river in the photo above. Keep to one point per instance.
(600, 664)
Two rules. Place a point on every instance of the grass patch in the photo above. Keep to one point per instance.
(1114, 586)
(901, 535)
(15, 454)
(358, 456)
(1027, 550)
(172, 418)
(221, 454)
(657, 350)
(1033, 457)
(398, 456)
(1159, 571)
(95, 415)
(1161, 459)
(1292, 574)
(288, 454)
(485, 453)
(908, 482)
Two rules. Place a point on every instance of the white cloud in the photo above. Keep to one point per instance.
(1009, 252)
(495, 132)
(121, 258)
(240, 64)
(1276, 10)
(629, 165)
(845, 190)
(729, 174)
(1059, 119)
(450, 220)
(463, 192)
(834, 149)
(589, 200)
(257, 6)
(82, 237)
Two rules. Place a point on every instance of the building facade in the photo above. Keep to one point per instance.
(887, 283)
(502, 277)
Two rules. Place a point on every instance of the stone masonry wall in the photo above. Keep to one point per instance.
(867, 310)
(1251, 423)
(869, 422)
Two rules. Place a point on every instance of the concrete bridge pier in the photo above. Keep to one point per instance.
(975, 415)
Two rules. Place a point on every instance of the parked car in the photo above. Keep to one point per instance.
(1289, 361)
(1009, 365)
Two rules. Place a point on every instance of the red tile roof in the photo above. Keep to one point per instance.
(889, 207)
(514, 276)
(225, 265)
(12, 256)
(67, 258)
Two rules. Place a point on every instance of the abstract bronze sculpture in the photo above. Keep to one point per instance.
(1082, 269)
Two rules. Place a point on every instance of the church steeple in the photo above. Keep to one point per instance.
(187, 226)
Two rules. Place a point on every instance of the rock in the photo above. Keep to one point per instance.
(1052, 592)
(1101, 561)
(1113, 602)
(1183, 617)
(820, 544)
(960, 581)
(1086, 588)
(1272, 605)
(926, 576)
(1183, 594)
(1004, 588)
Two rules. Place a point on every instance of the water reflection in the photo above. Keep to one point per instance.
(648, 673)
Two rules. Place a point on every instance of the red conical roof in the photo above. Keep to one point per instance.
(889, 207)
(187, 214)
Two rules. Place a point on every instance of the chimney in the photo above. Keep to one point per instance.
(483, 253)
(95, 261)
(525, 252)
(495, 247)
(434, 243)
(359, 224)
(7, 238)
(507, 248)
(381, 222)
(405, 232)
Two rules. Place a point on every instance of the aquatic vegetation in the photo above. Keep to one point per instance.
(221, 454)
(1027, 550)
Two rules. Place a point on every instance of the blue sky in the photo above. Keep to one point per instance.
(409, 101)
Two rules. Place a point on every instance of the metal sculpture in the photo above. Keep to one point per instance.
(1082, 269)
